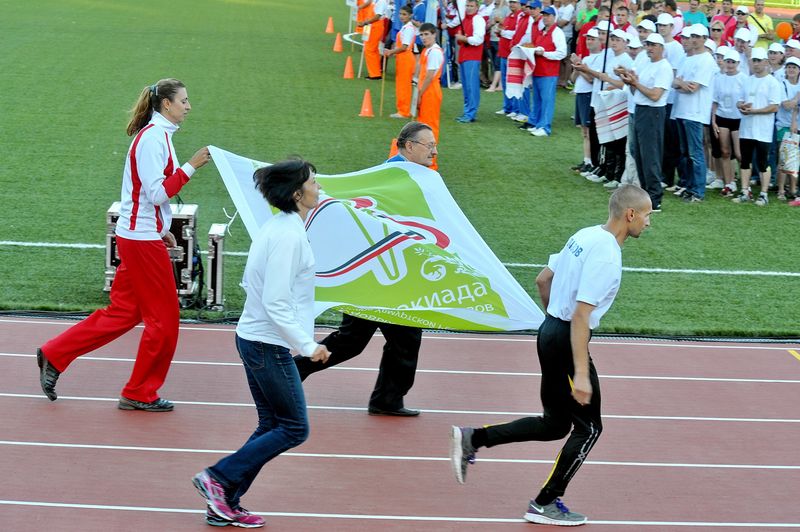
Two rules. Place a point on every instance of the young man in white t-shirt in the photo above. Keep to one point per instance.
(577, 287)
(692, 110)
(762, 96)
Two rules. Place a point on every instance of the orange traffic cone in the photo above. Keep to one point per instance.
(348, 68)
(337, 44)
(366, 106)
(329, 27)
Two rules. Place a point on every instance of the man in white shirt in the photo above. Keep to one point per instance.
(761, 100)
(692, 110)
(577, 287)
(650, 87)
(674, 54)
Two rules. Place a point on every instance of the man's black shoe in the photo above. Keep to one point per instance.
(48, 375)
(401, 412)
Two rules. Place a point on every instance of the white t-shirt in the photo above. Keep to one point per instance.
(407, 34)
(638, 64)
(565, 13)
(381, 8)
(783, 118)
(727, 91)
(435, 57)
(655, 75)
(696, 106)
(760, 92)
(593, 61)
(675, 54)
(612, 62)
(588, 269)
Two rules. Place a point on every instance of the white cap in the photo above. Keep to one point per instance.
(732, 55)
(758, 53)
(793, 61)
(655, 38)
(743, 9)
(620, 34)
(665, 19)
(792, 43)
(776, 47)
(686, 32)
(647, 24)
(743, 34)
(722, 50)
(634, 42)
(711, 45)
(593, 33)
(603, 25)
(698, 29)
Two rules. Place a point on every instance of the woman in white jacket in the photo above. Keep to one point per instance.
(144, 284)
(278, 315)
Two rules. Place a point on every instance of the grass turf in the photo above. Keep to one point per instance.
(264, 83)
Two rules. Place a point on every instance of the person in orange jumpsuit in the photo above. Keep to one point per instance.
(405, 63)
(364, 12)
(429, 100)
(377, 24)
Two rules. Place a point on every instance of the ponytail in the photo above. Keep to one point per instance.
(150, 100)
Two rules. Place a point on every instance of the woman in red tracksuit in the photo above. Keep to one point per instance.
(144, 285)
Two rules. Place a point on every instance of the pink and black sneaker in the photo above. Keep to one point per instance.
(242, 519)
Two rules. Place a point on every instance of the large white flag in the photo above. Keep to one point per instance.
(392, 245)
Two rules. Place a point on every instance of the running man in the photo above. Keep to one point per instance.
(577, 287)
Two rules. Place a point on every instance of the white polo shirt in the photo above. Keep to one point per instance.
(588, 269)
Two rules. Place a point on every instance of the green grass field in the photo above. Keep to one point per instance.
(264, 83)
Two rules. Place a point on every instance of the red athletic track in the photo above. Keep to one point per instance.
(645, 473)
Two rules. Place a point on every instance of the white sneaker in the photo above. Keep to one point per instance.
(595, 178)
(512, 115)
(455, 85)
(717, 184)
(500, 112)
(540, 132)
(762, 200)
(611, 185)
(521, 118)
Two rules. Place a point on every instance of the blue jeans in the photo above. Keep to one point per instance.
(471, 85)
(282, 422)
(544, 102)
(525, 103)
(690, 134)
(510, 105)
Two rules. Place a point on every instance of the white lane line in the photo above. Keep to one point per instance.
(340, 456)
(429, 411)
(655, 343)
(374, 517)
(449, 371)
(690, 271)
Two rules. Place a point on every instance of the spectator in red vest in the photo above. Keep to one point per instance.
(550, 47)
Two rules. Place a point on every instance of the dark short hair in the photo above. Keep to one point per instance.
(648, 5)
(671, 3)
(430, 28)
(604, 9)
(410, 132)
(279, 182)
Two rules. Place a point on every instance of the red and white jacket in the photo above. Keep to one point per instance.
(150, 179)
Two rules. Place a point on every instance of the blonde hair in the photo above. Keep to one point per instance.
(149, 100)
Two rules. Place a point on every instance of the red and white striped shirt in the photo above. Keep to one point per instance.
(150, 179)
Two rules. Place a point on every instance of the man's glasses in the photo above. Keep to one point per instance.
(431, 146)
(716, 29)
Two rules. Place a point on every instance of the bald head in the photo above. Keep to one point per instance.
(627, 197)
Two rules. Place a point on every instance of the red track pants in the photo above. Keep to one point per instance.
(143, 290)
